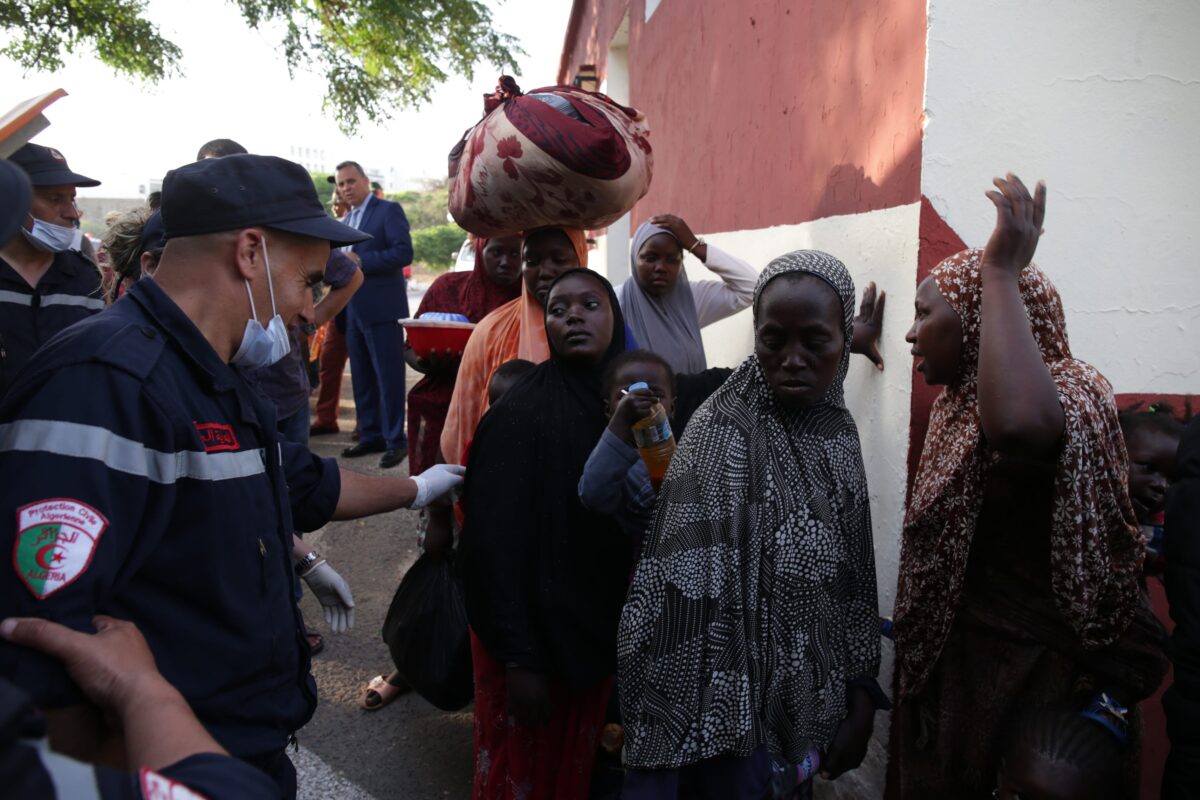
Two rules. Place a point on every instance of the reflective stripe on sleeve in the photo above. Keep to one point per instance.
(125, 455)
(93, 303)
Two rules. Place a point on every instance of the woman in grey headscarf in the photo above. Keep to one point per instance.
(751, 625)
(663, 308)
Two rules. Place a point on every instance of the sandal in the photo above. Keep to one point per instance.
(378, 693)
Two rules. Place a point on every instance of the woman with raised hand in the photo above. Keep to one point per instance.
(1020, 554)
(664, 310)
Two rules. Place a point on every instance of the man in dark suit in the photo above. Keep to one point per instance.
(374, 338)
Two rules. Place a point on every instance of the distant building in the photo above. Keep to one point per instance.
(312, 159)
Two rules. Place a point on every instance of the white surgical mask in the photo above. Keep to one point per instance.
(52, 238)
(261, 347)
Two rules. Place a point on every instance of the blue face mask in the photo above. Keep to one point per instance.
(51, 238)
(261, 347)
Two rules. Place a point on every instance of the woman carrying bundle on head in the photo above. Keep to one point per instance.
(514, 330)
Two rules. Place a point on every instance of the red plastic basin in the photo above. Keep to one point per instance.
(425, 336)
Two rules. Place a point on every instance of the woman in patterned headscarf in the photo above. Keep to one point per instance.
(1020, 557)
(752, 622)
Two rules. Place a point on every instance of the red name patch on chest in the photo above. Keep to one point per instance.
(216, 437)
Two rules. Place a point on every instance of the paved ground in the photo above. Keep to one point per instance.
(410, 749)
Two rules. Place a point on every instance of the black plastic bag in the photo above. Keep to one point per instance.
(426, 631)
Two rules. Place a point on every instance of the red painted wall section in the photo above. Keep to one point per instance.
(798, 110)
(938, 241)
(589, 30)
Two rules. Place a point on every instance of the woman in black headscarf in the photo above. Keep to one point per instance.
(544, 577)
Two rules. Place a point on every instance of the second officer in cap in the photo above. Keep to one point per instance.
(46, 283)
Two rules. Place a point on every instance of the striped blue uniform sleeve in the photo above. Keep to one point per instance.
(81, 507)
(314, 486)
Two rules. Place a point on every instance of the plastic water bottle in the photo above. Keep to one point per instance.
(808, 766)
(654, 440)
(788, 780)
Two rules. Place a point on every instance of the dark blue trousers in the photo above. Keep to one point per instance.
(377, 368)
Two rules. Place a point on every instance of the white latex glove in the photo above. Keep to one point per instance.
(333, 592)
(437, 481)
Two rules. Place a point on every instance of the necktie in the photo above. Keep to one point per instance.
(352, 221)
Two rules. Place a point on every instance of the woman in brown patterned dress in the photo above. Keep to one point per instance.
(1018, 574)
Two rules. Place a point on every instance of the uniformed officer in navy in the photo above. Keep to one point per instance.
(144, 479)
(46, 283)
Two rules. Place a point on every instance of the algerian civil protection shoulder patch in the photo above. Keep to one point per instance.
(55, 542)
(159, 787)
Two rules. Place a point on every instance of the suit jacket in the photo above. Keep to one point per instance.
(383, 296)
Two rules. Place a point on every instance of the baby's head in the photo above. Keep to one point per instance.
(639, 365)
(505, 377)
(1056, 754)
(1152, 439)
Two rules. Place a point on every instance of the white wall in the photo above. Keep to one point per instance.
(1101, 98)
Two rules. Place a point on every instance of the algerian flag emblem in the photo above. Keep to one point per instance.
(55, 542)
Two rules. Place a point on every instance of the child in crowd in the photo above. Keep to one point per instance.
(1151, 438)
(1056, 754)
(615, 481)
(505, 377)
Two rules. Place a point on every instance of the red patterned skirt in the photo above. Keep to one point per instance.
(550, 762)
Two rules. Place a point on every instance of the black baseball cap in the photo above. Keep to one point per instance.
(152, 234)
(15, 195)
(244, 191)
(46, 166)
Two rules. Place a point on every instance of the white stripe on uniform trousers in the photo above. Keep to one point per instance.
(125, 455)
(53, 300)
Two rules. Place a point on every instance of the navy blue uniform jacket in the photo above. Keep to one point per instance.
(68, 292)
(143, 479)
